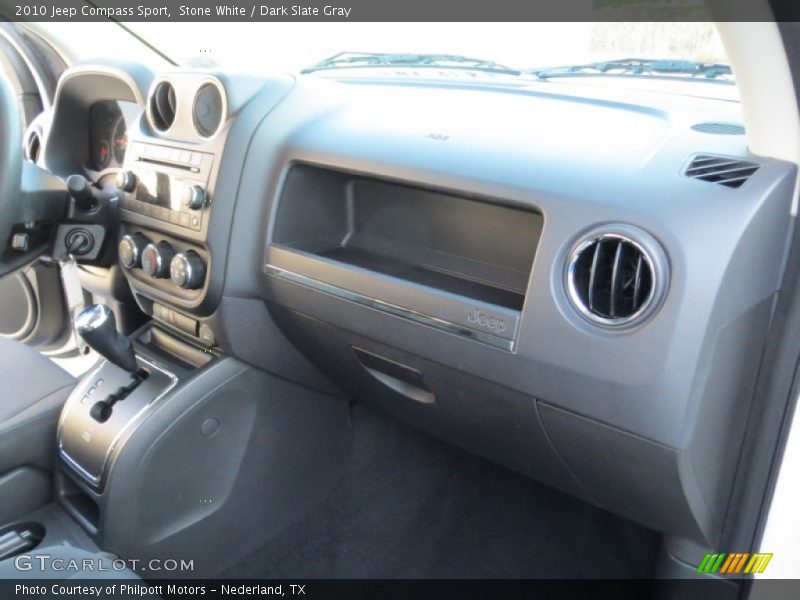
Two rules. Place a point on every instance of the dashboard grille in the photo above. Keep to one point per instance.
(730, 172)
(162, 106)
(719, 128)
(611, 279)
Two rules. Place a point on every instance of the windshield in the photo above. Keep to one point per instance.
(291, 47)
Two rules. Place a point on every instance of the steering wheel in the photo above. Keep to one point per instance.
(31, 200)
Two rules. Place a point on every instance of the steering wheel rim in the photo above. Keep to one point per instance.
(11, 196)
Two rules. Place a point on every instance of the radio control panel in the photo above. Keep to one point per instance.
(167, 184)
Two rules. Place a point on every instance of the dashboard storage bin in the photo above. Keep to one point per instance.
(453, 262)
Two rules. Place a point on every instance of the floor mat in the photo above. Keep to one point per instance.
(410, 506)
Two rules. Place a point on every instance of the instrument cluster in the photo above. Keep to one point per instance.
(109, 121)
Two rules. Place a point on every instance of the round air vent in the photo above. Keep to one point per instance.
(162, 106)
(615, 277)
(208, 110)
(33, 146)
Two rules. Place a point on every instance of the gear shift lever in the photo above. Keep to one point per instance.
(98, 327)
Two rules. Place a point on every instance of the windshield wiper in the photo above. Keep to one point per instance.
(136, 36)
(346, 60)
(667, 69)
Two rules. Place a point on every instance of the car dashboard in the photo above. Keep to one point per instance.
(573, 282)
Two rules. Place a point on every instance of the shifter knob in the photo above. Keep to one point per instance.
(98, 327)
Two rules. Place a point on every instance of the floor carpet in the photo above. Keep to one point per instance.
(410, 506)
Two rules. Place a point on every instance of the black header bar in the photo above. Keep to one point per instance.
(399, 10)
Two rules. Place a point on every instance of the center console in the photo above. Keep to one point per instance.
(110, 403)
(192, 446)
(86, 442)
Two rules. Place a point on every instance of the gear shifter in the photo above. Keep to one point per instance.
(98, 327)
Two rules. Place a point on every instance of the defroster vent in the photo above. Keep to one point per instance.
(730, 172)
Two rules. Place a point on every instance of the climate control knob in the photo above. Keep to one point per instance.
(130, 250)
(156, 259)
(187, 270)
(194, 197)
(125, 181)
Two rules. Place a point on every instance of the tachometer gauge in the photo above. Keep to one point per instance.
(119, 141)
(101, 156)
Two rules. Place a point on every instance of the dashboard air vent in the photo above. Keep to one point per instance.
(719, 128)
(33, 146)
(162, 106)
(208, 109)
(612, 279)
(730, 172)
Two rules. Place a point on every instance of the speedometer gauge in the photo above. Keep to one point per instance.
(119, 141)
(108, 132)
(101, 155)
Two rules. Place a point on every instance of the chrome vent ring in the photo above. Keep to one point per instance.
(616, 277)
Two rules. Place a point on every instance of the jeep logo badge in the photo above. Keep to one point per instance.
(487, 321)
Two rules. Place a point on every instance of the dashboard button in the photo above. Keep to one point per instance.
(206, 335)
(125, 181)
(187, 270)
(194, 197)
(156, 259)
(130, 250)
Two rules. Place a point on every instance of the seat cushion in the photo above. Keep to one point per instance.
(32, 391)
(27, 377)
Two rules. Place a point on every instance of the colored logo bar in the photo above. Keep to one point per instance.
(734, 562)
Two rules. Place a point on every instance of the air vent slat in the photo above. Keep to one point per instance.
(715, 167)
(746, 171)
(637, 281)
(728, 180)
(617, 281)
(730, 172)
(592, 274)
(703, 160)
(725, 180)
